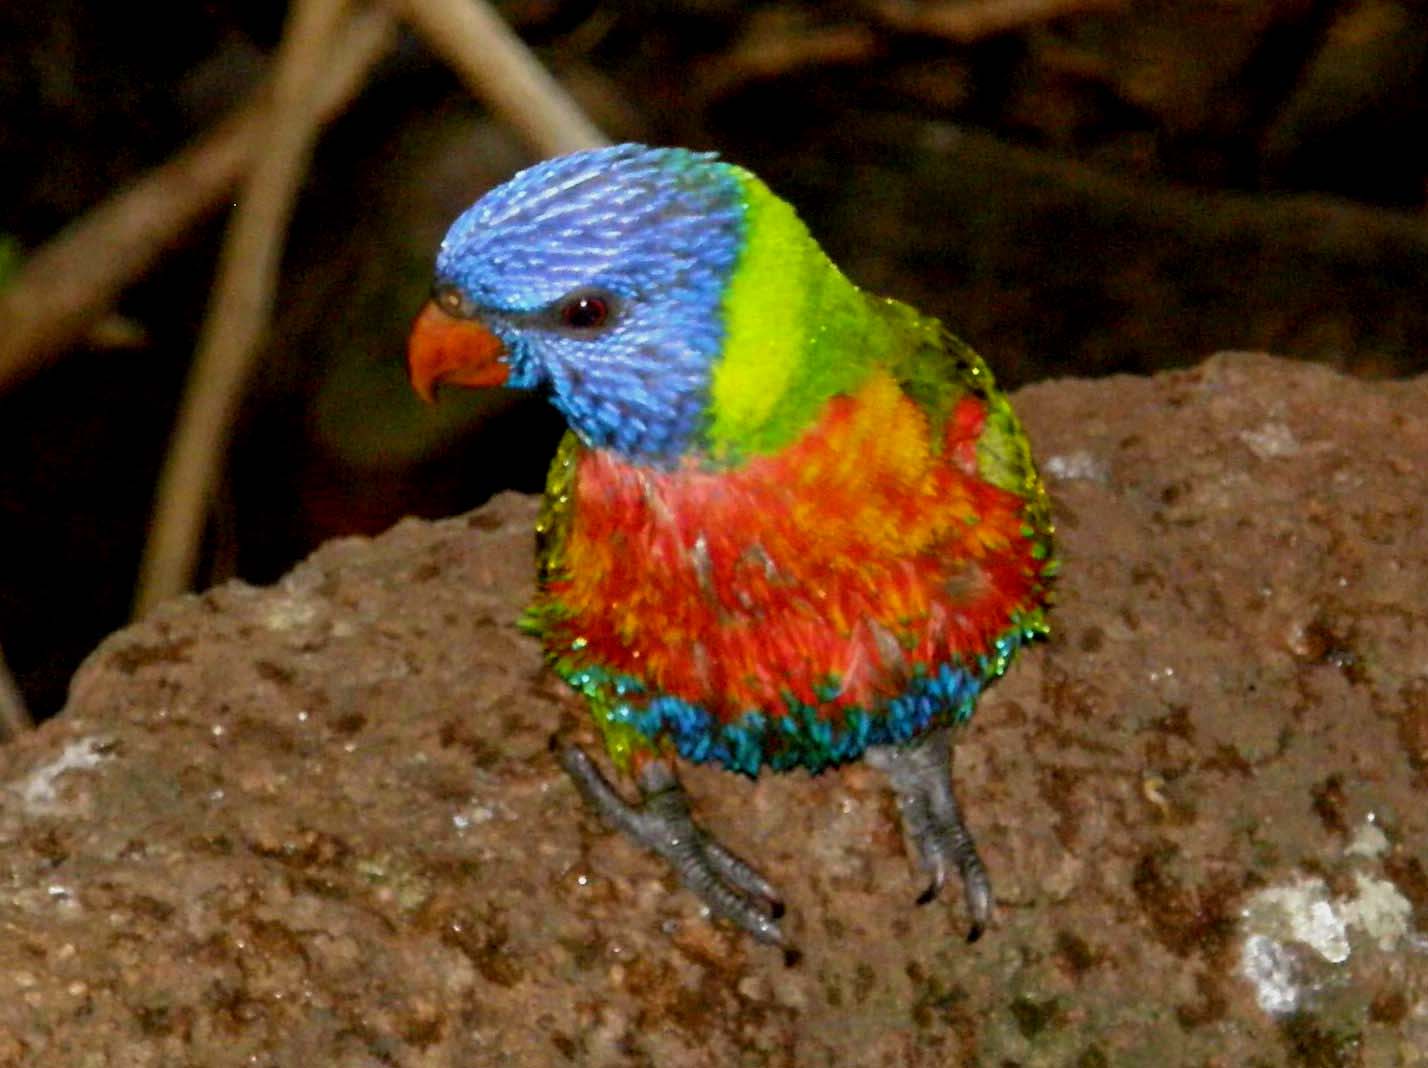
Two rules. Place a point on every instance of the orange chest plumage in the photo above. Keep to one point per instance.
(828, 575)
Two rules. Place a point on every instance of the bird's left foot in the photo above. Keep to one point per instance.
(920, 773)
(661, 822)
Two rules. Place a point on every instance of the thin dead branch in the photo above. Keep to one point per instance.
(14, 717)
(777, 44)
(500, 69)
(239, 313)
(67, 285)
(966, 21)
(501, 72)
(66, 288)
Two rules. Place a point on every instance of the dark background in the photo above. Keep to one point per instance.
(1123, 188)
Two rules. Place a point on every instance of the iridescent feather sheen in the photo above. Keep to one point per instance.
(863, 583)
(851, 543)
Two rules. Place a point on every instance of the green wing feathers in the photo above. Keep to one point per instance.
(936, 369)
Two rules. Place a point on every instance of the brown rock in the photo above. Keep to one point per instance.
(318, 823)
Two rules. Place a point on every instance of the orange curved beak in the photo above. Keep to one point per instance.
(443, 350)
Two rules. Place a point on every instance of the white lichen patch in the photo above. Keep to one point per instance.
(37, 789)
(288, 613)
(476, 814)
(1077, 465)
(1300, 912)
(1369, 841)
(1271, 440)
(1380, 909)
(1271, 970)
(1304, 912)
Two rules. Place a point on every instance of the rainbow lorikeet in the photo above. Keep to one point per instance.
(791, 525)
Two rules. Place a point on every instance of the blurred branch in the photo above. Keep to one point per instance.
(776, 43)
(974, 20)
(69, 283)
(500, 71)
(239, 312)
(67, 286)
(14, 719)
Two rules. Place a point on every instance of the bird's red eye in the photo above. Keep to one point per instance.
(450, 299)
(585, 312)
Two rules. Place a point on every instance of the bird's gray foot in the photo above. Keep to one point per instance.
(921, 775)
(661, 822)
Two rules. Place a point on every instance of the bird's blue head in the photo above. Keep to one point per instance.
(599, 277)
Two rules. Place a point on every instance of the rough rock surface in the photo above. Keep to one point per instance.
(318, 823)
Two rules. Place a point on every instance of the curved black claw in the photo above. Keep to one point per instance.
(661, 822)
(921, 775)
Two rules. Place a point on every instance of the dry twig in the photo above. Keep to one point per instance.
(247, 276)
(777, 43)
(69, 285)
(975, 20)
(14, 718)
(501, 71)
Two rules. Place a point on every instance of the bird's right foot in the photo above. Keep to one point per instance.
(661, 822)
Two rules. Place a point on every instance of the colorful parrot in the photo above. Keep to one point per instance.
(791, 524)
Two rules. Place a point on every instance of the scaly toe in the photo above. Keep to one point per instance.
(729, 887)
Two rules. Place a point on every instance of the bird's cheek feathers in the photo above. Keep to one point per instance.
(444, 350)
